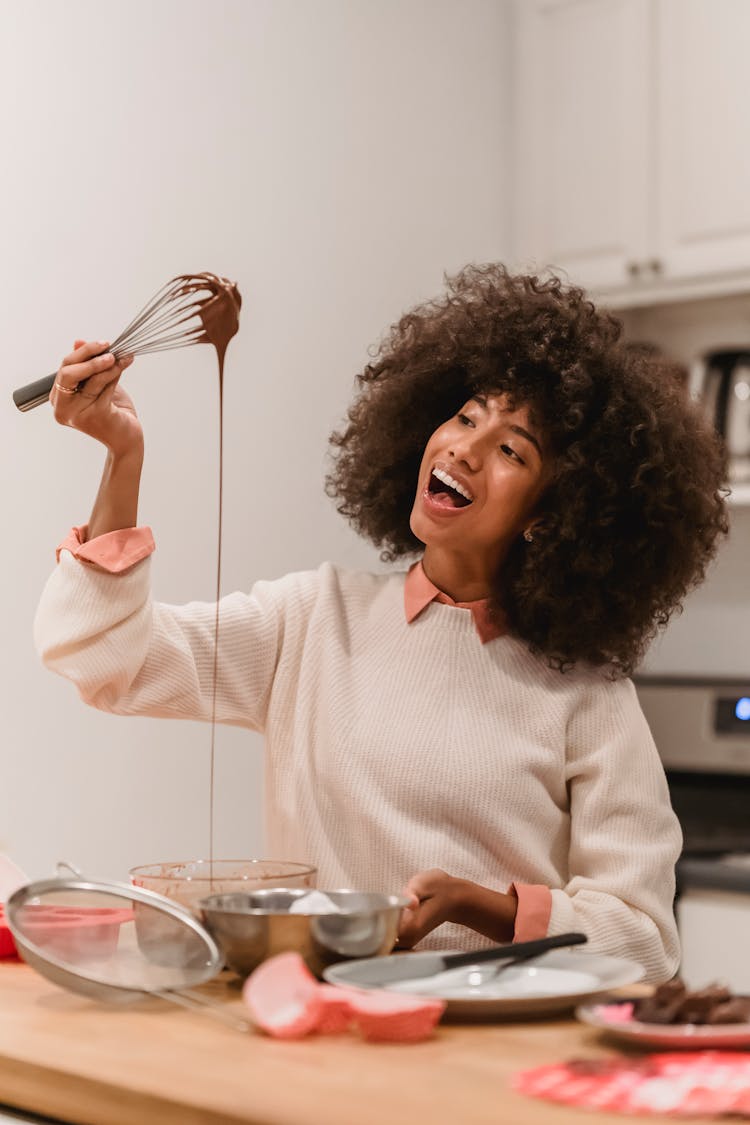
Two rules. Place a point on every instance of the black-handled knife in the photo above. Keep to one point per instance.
(519, 951)
(379, 972)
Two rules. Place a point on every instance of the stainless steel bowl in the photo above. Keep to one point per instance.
(252, 926)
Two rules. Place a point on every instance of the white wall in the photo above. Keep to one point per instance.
(332, 156)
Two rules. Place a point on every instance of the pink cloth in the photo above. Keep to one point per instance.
(419, 591)
(534, 909)
(114, 552)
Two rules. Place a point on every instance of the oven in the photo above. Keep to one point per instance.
(702, 730)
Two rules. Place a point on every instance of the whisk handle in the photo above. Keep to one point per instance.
(34, 394)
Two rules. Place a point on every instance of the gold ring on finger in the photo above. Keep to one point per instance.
(66, 390)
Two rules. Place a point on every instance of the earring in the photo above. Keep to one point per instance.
(528, 536)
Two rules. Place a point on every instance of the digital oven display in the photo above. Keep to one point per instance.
(732, 716)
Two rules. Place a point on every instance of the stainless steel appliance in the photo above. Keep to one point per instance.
(721, 380)
(702, 730)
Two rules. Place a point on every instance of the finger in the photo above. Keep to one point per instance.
(411, 927)
(71, 374)
(83, 351)
(416, 924)
(426, 882)
(415, 887)
(67, 391)
(410, 932)
(105, 380)
(78, 344)
(406, 920)
(97, 391)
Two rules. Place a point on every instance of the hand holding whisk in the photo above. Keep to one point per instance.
(190, 309)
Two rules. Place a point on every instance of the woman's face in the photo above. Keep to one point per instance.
(482, 475)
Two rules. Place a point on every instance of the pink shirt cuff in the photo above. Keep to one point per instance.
(114, 552)
(534, 909)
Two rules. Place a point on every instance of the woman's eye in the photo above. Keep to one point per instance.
(464, 420)
(510, 452)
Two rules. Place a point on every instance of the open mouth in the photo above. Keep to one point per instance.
(449, 491)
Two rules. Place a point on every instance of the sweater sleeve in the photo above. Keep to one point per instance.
(131, 656)
(624, 837)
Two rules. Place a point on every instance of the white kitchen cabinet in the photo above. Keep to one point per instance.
(713, 917)
(714, 930)
(581, 174)
(703, 131)
(632, 158)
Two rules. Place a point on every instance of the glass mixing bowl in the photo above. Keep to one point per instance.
(190, 880)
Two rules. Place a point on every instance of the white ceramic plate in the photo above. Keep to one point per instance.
(554, 982)
(681, 1036)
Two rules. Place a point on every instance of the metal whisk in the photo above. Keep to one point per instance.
(190, 309)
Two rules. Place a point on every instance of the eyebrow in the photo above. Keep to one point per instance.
(482, 400)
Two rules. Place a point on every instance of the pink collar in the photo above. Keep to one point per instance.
(419, 592)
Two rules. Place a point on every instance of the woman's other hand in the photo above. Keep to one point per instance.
(87, 396)
(438, 897)
(434, 898)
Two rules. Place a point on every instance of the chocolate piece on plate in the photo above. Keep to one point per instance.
(697, 1006)
(664, 1005)
(735, 1010)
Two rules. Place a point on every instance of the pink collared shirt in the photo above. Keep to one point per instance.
(117, 551)
(419, 591)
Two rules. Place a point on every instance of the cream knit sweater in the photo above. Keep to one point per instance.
(395, 747)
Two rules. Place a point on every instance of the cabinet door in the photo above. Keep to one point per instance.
(582, 146)
(704, 136)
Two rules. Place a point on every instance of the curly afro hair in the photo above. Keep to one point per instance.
(635, 505)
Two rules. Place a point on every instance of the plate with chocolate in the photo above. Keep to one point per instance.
(675, 1017)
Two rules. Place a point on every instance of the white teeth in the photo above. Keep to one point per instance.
(446, 478)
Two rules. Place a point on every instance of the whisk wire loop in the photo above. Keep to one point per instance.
(165, 322)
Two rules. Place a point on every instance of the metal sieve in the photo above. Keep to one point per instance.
(115, 943)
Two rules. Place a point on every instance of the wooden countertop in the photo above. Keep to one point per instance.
(71, 1058)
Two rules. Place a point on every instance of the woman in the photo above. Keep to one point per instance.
(465, 727)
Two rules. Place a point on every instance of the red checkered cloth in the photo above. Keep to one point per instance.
(684, 1084)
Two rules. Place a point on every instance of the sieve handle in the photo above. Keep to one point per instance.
(64, 869)
(194, 1002)
(34, 394)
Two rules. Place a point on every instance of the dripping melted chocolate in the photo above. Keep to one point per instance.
(220, 315)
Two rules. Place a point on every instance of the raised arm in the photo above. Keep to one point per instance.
(87, 396)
